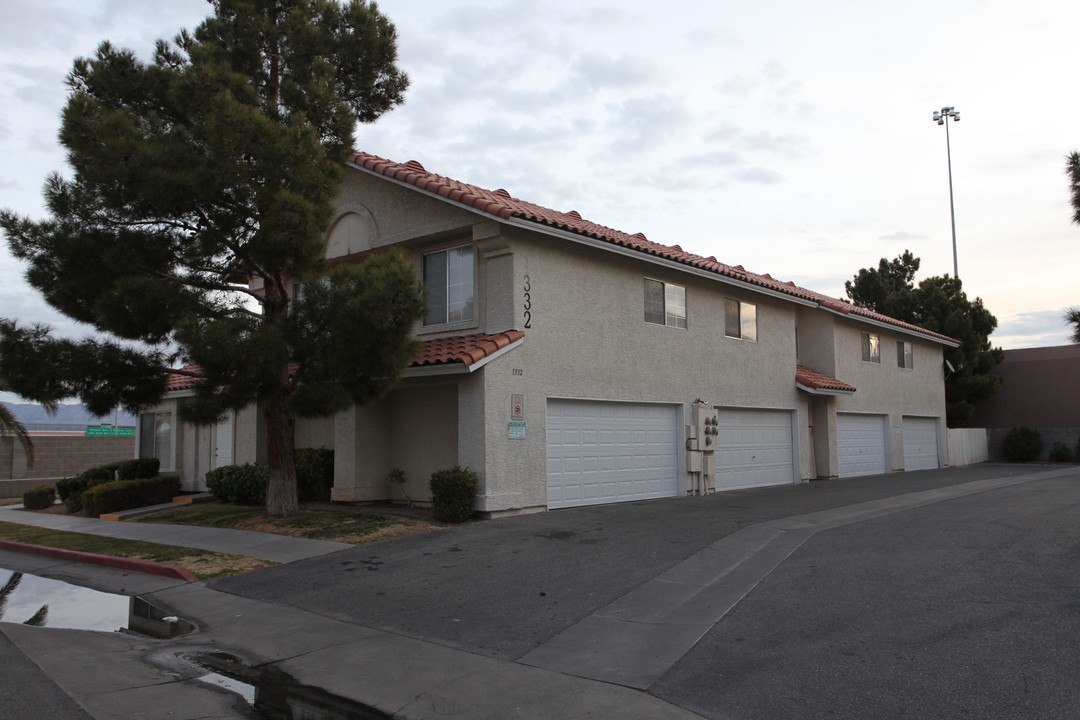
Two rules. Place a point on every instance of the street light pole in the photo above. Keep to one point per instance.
(940, 116)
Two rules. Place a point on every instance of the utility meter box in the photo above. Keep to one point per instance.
(706, 427)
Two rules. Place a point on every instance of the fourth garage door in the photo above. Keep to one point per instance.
(607, 452)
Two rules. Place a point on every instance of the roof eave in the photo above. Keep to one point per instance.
(822, 391)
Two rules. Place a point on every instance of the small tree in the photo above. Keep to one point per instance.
(938, 304)
(202, 190)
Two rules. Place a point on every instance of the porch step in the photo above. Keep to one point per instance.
(196, 498)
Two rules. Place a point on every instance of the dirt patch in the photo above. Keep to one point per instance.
(215, 565)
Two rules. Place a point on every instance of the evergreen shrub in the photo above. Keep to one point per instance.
(39, 498)
(70, 490)
(1059, 452)
(453, 494)
(127, 494)
(314, 473)
(138, 469)
(239, 484)
(1022, 444)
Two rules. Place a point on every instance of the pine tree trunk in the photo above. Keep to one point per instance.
(281, 495)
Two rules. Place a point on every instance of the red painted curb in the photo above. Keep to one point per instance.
(117, 563)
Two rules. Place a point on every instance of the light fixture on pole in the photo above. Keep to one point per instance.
(940, 116)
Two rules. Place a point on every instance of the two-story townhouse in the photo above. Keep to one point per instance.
(560, 360)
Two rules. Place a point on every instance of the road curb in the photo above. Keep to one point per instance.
(117, 563)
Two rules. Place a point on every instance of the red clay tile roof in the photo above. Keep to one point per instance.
(819, 381)
(182, 382)
(466, 349)
(500, 204)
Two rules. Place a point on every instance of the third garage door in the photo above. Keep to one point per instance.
(860, 444)
(755, 449)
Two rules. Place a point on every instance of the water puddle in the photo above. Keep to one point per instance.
(270, 693)
(43, 602)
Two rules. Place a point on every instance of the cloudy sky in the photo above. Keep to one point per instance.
(790, 137)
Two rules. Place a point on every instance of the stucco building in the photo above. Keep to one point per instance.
(561, 360)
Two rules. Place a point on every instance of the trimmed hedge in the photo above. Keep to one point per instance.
(1022, 444)
(71, 490)
(127, 494)
(239, 484)
(314, 473)
(39, 498)
(138, 469)
(453, 494)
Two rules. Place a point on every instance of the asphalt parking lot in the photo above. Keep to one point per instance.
(962, 608)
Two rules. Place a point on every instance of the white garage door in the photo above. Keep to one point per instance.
(920, 443)
(860, 444)
(606, 452)
(754, 449)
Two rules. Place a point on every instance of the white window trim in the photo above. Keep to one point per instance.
(907, 360)
(667, 308)
(739, 329)
(866, 348)
(457, 324)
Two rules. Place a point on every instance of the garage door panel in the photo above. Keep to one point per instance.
(755, 448)
(860, 445)
(599, 452)
(921, 443)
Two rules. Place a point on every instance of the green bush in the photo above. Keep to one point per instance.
(70, 490)
(239, 484)
(1022, 444)
(453, 494)
(127, 494)
(105, 472)
(138, 469)
(39, 498)
(314, 473)
(1059, 452)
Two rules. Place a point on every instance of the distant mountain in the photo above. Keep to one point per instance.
(66, 414)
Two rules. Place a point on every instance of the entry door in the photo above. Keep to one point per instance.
(223, 442)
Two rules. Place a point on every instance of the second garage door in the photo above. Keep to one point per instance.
(755, 449)
(860, 444)
(606, 452)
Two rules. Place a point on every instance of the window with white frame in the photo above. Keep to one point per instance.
(871, 348)
(740, 319)
(448, 279)
(156, 437)
(665, 304)
(905, 355)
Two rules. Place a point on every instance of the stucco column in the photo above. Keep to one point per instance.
(823, 419)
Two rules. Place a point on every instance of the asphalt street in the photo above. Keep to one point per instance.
(964, 608)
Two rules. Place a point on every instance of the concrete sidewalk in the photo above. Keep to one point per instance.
(594, 666)
(264, 546)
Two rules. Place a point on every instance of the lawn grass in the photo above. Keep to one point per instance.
(339, 526)
(202, 563)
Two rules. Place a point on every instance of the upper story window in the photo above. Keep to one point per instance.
(905, 355)
(448, 279)
(871, 347)
(740, 319)
(665, 304)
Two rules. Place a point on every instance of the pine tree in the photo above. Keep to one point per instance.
(202, 190)
(938, 304)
